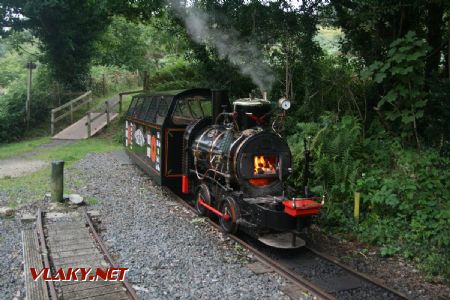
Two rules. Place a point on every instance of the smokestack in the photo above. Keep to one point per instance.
(220, 102)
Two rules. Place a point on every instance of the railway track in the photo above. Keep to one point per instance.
(320, 274)
(70, 240)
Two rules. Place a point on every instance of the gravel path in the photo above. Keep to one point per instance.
(170, 252)
(12, 282)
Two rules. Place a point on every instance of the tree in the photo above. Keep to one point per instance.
(370, 26)
(67, 30)
(137, 45)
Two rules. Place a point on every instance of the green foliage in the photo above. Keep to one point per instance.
(137, 46)
(123, 44)
(12, 105)
(328, 39)
(105, 80)
(402, 75)
(335, 147)
(406, 206)
(370, 26)
(335, 89)
(435, 128)
(177, 73)
(67, 31)
(12, 68)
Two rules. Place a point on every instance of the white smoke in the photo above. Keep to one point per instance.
(243, 54)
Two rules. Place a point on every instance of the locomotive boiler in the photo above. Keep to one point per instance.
(228, 158)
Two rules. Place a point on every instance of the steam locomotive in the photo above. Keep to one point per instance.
(228, 158)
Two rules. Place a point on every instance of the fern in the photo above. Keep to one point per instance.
(335, 146)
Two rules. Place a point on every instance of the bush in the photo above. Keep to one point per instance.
(405, 206)
(116, 79)
(12, 113)
(177, 73)
(12, 105)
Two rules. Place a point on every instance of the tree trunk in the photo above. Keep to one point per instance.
(448, 48)
(434, 35)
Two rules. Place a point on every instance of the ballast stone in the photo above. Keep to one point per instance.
(6, 211)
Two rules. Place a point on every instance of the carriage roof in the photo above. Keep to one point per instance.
(156, 107)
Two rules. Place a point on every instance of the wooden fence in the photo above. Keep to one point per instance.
(71, 107)
(107, 109)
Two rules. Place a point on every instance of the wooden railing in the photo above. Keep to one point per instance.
(73, 106)
(108, 107)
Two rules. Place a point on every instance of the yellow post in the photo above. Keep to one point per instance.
(356, 209)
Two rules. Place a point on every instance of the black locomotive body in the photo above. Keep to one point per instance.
(226, 157)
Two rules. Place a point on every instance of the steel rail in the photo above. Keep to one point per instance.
(44, 252)
(264, 259)
(108, 257)
(282, 270)
(363, 276)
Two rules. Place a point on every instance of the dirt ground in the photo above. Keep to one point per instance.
(23, 164)
(17, 167)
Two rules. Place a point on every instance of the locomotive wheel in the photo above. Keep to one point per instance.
(202, 193)
(229, 207)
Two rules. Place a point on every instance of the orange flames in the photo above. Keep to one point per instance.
(264, 165)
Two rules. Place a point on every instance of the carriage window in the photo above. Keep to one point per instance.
(189, 109)
(135, 111)
(151, 113)
(132, 106)
(145, 107)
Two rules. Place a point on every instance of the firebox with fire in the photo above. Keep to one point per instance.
(264, 165)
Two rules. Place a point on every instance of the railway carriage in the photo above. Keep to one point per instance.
(228, 158)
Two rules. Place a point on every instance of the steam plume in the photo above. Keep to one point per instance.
(245, 55)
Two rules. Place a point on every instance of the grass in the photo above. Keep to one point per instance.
(73, 152)
(14, 149)
(32, 187)
(91, 200)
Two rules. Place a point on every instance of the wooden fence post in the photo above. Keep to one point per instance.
(57, 180)
(120, 103)
(52, 125)
(107, 112)
(89, 124)
(71, 112)
(104, 84)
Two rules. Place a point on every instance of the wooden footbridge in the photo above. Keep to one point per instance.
(92, 122)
